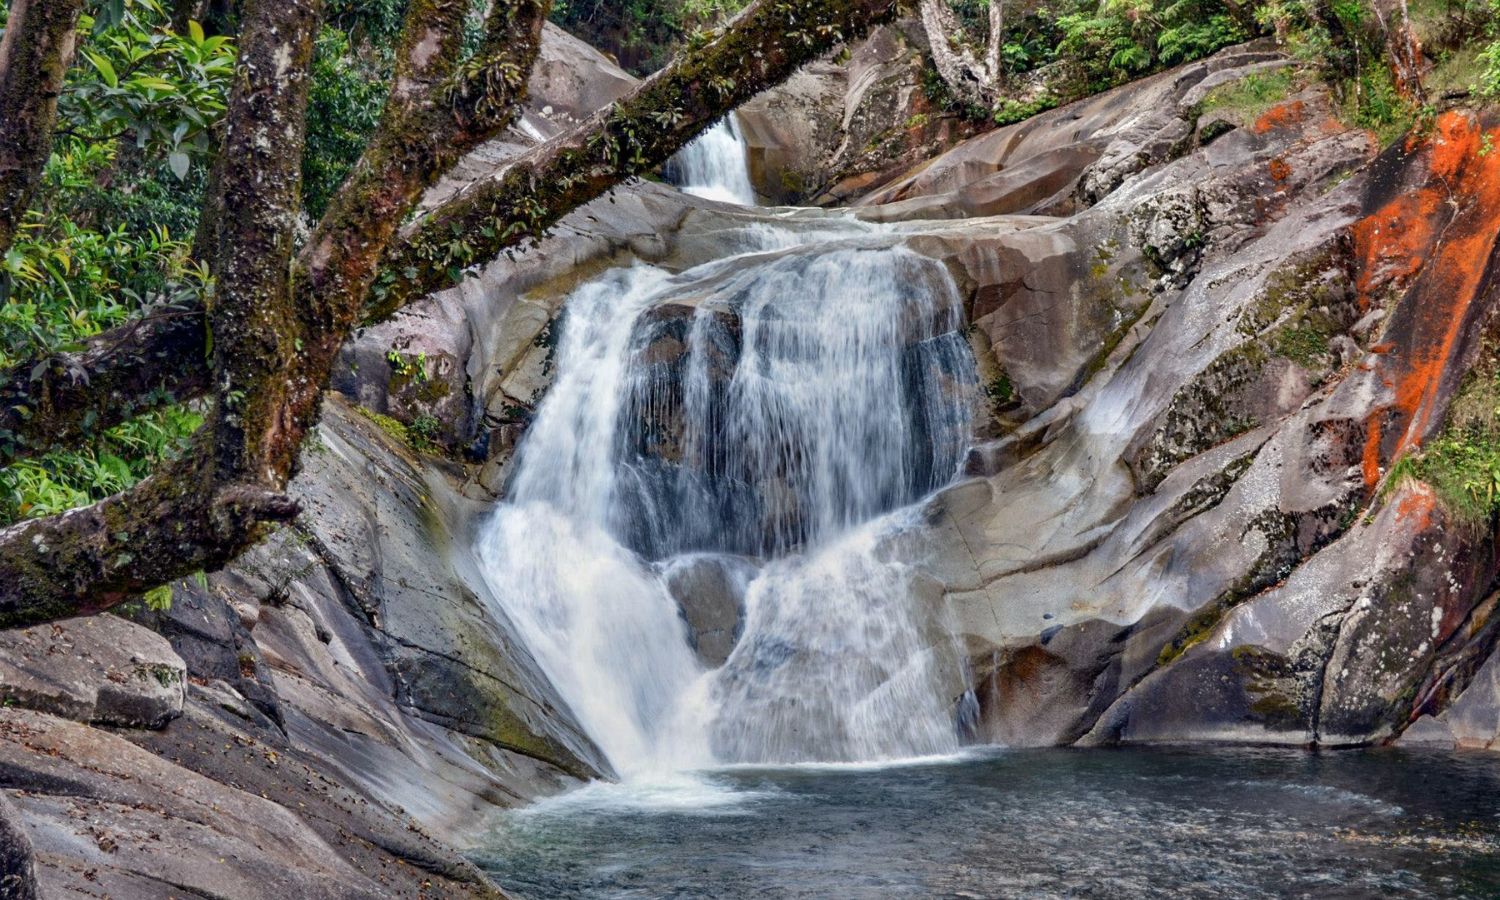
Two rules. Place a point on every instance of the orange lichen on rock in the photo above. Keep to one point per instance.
(1434, 242)
(1282, 115)
(1280, 170)
(1417, 506)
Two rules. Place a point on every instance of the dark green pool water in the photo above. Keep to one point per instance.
(1045, 823)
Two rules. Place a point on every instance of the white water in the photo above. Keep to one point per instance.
(787, 404)
(713, 166)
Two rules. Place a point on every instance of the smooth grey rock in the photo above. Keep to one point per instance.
(99, 669)
(710, 591)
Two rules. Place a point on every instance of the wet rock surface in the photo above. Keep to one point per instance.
(1187, 528)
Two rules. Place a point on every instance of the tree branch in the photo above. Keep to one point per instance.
(438, 115)
(276, 327)
(203, 509)
(760, 48)
(35, 53)
(60, 399)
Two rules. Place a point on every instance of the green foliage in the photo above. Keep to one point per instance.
(117, 459)
(158, 599)
(1085, 46)
(1117, 40)
(350, 80)
(109, 233)
(409, 366)
(1254, 94)
(146, 83)
(1371, 101)
(1462, 463)
(378, 21)
(1015, 111)
(420, 434)
(642, 34)
(1000, 389)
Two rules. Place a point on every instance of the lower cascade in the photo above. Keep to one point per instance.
(748, 436)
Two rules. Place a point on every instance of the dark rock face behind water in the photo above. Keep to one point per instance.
(1204, 349)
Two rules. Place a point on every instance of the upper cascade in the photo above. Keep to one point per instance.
(714, 167)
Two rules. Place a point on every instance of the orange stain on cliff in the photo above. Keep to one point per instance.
(1282, 115)
(1280, 171)
(1417, 506)
(1413, 241)
(1370, 461)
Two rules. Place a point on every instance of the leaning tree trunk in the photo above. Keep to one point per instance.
(34, 57)
(162, 360)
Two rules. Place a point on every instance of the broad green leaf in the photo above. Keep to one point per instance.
(105, 68)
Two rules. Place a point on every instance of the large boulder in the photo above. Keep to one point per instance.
(710, 593)
(844, 126)
(107, 816)
(99, 669)
(1184, 525)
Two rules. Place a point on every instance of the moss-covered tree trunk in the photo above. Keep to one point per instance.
(760, 48)
(34, 57)
(264, 345)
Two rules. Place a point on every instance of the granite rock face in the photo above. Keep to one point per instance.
(842, 127)
(101, 670)
(1209, 355)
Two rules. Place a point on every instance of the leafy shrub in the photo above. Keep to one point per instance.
(161, 90)
(349, 86)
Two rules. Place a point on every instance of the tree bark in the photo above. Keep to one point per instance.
(996, 46)
(437, 115)
(58, 400)
(275, 336)
(276, 325)
(349, 226)
(34, 57)
(201, 510)
(970, 80)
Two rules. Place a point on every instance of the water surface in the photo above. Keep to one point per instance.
(1037, 823)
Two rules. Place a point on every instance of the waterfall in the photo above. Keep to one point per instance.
(713, 166)
(781, 409)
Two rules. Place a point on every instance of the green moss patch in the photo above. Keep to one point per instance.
(1248, 98)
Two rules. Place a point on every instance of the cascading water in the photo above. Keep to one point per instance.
(785, 405)
(713, 166)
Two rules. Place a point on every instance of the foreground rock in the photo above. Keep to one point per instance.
(101, 669)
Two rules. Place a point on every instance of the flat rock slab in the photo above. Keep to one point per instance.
(98, 669)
